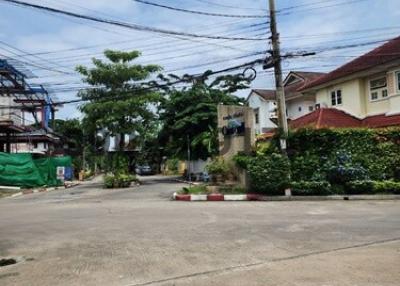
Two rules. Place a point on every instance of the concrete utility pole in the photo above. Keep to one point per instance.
(276, 62)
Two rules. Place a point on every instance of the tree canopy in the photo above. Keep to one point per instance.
(118, 101)
(190, 116)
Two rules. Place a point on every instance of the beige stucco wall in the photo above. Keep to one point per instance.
(352, 99)
(232, 144)
(356, 96)
(374, 107)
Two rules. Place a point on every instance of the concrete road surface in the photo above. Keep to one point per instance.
(137, 236)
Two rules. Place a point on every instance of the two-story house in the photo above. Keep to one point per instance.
(364, 92)
(263, 101)
(297, 103)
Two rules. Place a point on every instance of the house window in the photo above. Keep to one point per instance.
(336, 97)
(378, 88)
(398, 80)
(311, 108)
(257, 118)
(300, 109)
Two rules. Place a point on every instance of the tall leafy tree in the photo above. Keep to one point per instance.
(118, 101)
(190, 116)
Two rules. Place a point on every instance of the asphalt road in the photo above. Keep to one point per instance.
(91, 236)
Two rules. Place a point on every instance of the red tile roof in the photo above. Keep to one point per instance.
(381, 55)
(325, 118)
(381, 121)
(335, 118)
(267, 94)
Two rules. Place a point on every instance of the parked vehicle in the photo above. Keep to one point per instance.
(143, 170)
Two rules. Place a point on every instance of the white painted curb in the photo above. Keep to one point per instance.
(235, 197)
(198, 198)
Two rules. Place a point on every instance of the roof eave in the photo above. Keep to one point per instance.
(356, 75)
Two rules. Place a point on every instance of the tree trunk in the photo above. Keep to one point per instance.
(122, 142)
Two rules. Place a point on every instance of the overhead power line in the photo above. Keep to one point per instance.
(122, 95)
(146, 39)
(347, 2)
(128, 25)
(230, 6)
(198, 12)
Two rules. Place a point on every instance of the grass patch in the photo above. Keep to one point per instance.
(202, 190)
(236, 190)
(195, 190)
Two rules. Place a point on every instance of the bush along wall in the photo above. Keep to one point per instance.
(328, 162)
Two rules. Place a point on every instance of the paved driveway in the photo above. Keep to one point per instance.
(91, 236)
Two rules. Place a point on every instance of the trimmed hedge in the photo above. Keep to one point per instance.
(367, 153)
(352, 161)
(372, 187)
(311, 189)
(269, 175)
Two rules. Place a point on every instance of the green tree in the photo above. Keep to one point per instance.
(118, 101)
(191, 114)
(71, 131)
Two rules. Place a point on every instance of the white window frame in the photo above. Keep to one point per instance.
(336, 97)
(378, 90)
(397, 81)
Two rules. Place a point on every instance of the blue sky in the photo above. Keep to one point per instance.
(70, 41)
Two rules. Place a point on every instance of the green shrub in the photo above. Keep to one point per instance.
(343, 170)
(232, 190)
(269, 175)
(374, 153)
(359, 187)
(109, 181)
(305, 167)
(118, 181)
(173, 166)
(118, 163)
(311, 188)
(372, 187)
(242, 160)
(218, 167)
(387, 187)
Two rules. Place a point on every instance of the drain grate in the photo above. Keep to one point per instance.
(7, 261)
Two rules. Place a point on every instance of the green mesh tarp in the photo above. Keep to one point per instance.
(19, 170)
(23, 171)
(48, 171)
